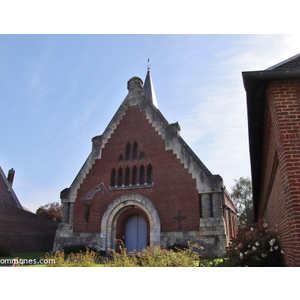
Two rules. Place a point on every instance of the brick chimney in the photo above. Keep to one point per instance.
(10, 176)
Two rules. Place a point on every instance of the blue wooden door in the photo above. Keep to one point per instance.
(135, 233)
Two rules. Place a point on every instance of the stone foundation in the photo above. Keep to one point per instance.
(211, 237)
(66, 237)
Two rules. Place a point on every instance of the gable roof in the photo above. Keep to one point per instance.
(205, 180)
(290, 63)
(7, 194)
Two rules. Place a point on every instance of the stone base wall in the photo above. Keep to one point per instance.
(211, 237)
(66, 237)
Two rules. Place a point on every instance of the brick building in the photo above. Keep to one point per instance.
(143, 184)
(21, 230)
(273, 105)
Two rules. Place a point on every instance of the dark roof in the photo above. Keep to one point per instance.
(255, 84)
(290, 63)
(7, 194)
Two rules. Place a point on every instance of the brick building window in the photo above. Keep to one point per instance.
(149, 174)
(134, 175)
(142, 155)
(131, 174)
(127, 176)
(120, 177)
(134, 151)
(142, 174)
(113, 178)
(127, 151)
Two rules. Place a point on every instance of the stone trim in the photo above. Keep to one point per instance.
(117, 207)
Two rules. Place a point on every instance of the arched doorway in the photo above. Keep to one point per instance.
(135, 233)
(118, 212)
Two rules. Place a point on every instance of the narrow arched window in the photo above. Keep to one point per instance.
(120, 158)
(134, 151)
(127, 176)
(134, 175)
(127, 151)
(149, 174)
(113, 178)
(142, 175)
(142, 155)
(120, 177)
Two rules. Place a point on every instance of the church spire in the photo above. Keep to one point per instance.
(149, 89)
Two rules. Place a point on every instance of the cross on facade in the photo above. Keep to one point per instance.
(179, 218)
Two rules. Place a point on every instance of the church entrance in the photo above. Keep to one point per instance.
(135, 233)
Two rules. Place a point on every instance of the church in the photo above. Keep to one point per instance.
(144, 185)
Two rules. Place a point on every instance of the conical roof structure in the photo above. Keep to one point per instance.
(149, 89)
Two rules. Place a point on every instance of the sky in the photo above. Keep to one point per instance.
(59, 91)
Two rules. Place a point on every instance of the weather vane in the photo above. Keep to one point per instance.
(148, 64)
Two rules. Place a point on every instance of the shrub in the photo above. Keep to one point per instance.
(152, 257)
(255, 246)
(80, 248)
(88, 258)
(74, 249)
(177, 247)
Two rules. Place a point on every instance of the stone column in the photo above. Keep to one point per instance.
(217, 204)
(206, 205)
(66, 212)
(71, 213)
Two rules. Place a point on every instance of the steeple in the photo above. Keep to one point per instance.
(149, 89)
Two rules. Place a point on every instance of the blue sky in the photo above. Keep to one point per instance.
(59, 91)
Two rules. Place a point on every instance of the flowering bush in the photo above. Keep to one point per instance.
(255, 246)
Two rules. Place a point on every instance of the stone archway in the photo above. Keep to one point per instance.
(117, 208)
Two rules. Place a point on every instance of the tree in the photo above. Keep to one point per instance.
(51, 211)
(243, 200)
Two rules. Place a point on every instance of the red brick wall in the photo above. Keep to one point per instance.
(174, 188)
(280, 193)
(22, 231)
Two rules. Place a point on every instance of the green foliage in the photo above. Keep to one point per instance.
(209, 260)
(51, 211)
(177, 247)
(82, 259)
(152, 257)
(241, 196)
(80, 248)
(255, 246)
(74, 249)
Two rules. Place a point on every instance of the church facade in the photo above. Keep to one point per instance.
(142, 184)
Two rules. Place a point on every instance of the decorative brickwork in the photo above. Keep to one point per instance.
(149, 171)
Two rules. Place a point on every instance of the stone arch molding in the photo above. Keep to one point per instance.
(117, 207)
